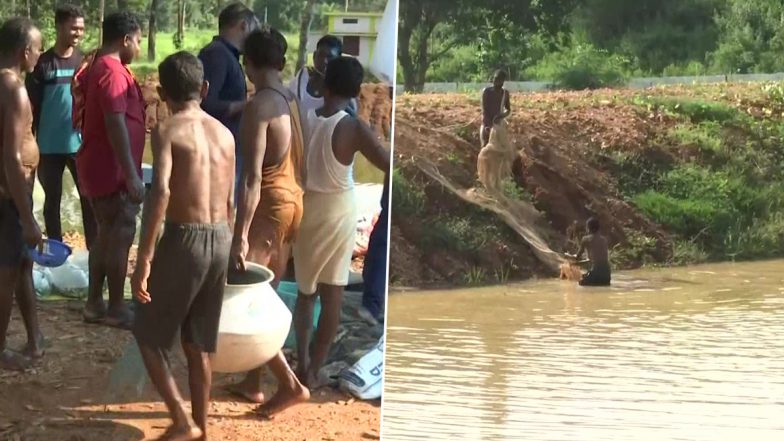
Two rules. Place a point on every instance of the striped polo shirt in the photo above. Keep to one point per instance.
(49, 87)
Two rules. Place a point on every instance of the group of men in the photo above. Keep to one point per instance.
(236, 180)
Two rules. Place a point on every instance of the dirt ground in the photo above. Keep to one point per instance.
(67, 396)
(568, 142)
(375, 105)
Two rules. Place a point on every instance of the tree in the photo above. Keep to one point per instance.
(751, 37)
(101, 11)
(179, 37)
(304, 27)
(152, 30)
(656, 33)
(429, 30)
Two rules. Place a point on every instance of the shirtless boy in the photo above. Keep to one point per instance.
(495, 105)
(270, 193)
(179, 284)
(596, 245)
(20, 47)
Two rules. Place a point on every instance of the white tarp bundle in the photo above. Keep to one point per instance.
(384, 59)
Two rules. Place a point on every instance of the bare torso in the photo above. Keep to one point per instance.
(493, 104)
(10, 86)
(597, 248)
(279, 125)
(202, 175)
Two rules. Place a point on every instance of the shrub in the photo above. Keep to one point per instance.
(582, 66)
(706, 136)
(687, 252)
(406, 197)
(696, 110)
(685, 217)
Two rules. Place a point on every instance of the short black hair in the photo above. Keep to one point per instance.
(119, 24)
(593, 224)
(234, 13)
(15, 35)
(181, 75)
(332, 42)
(266, 48)
(63, 13)
(344, 76)
(501, 73)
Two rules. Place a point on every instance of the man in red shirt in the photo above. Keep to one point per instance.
(109, 164)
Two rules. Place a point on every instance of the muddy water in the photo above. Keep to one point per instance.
(678, 354)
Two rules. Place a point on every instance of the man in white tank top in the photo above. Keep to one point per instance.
(322, 251)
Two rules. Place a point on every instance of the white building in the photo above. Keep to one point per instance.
(358, 30)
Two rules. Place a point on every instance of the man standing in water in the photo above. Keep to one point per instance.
(322, 252)
(598, 252)
(308, 83)
(49, 87)
(495, 105)
(20, 47)
(227, 93)
(193, 184)
(270, 200)
(109, 164)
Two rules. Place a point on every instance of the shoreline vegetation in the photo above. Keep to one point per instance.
(679, 175)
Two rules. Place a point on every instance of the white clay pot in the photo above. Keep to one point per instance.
(254, 323)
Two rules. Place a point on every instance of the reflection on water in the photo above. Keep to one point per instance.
(676, 354)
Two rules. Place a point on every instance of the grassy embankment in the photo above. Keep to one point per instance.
(709, 171)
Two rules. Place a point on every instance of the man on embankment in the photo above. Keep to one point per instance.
(495, 105)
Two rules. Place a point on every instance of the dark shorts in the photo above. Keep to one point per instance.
(12, 247)
(116, 207)
(187, 279)
(596, 277)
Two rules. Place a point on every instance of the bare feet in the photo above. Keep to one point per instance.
(189, 433)
(312, 380)
(13, 361)
(284, 398)
(246, 392)
(94, 312)
(34, 349)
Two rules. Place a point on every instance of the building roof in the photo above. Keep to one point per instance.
(352, 14)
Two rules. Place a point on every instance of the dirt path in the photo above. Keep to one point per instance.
(66, 396)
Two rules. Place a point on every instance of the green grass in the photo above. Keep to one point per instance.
(195, 39)
(705, 135)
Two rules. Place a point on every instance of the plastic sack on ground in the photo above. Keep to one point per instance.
(68, 278)
(41, 281)
(364, 379)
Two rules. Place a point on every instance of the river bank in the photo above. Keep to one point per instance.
(677, 175)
